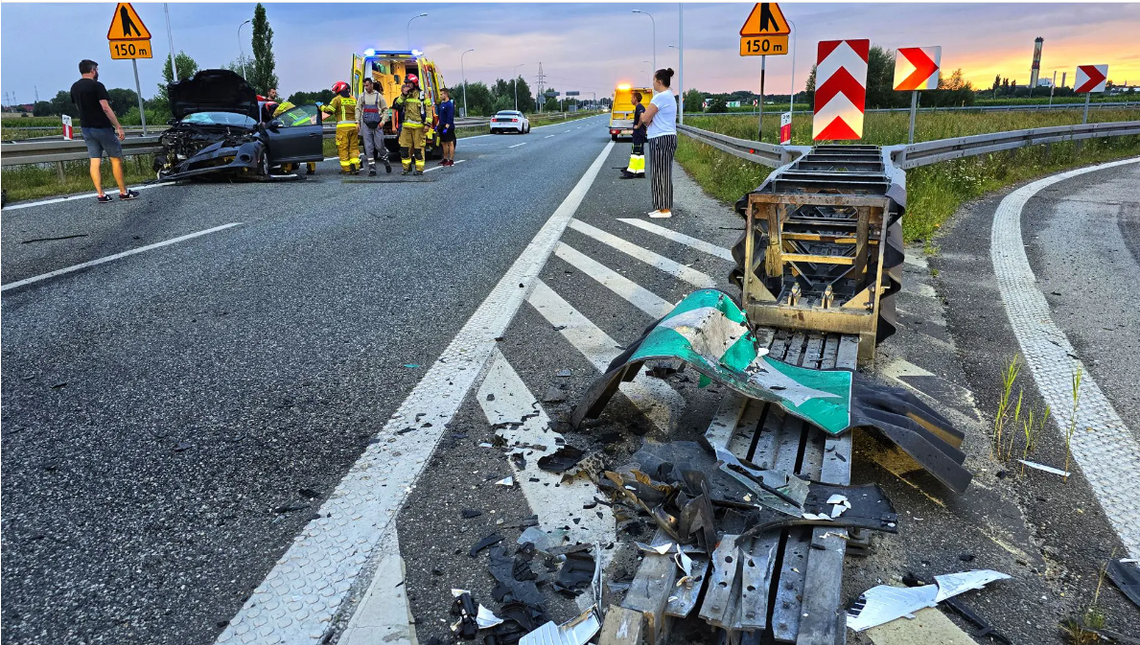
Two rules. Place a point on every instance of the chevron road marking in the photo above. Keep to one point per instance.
(681, 238)
(692, 276)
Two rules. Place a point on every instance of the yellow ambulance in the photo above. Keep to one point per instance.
(388, 69)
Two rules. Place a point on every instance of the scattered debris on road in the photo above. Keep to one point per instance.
(710, 333)
(1125, 574)
(884, 603)
(1044, 468)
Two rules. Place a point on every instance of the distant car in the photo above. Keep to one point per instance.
(510, 121)
(219, 129)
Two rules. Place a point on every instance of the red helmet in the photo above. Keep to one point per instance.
(339, 86)
(413, 79)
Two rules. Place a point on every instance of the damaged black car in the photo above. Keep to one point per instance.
(219, 130)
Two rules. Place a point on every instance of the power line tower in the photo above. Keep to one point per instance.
(540, 84)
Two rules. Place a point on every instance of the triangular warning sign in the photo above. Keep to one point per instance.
(766, 19)
(126, 24)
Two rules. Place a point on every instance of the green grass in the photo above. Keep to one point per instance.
(934, 192)
(37, 181)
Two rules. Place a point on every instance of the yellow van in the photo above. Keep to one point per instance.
(621, 113)
(388, 69)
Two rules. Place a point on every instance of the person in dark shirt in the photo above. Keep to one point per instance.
(637, 154)
(101, 130)
(447, 128)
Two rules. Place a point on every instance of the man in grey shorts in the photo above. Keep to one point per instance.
(101, 130)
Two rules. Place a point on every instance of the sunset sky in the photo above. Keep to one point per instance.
(585, 47)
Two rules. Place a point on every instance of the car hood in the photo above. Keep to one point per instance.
(213, 90)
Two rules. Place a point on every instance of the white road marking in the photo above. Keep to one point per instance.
(518, 144)
(1102, 444)
(669, 234)
(117, 256)
(638, 296)
(556, 504)
(384, 615)
(653, 396)
(300, 598)
(548, 136)
(60, 200)
(442, 167)
(692, 276)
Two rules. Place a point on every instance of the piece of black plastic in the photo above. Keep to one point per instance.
(465, 607)
(493, 538)
(502, 568)
(1126, 576)
(576, 574)
(561, 460)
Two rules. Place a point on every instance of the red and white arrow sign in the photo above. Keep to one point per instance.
(916, 68)
(841, 89)
(1091, 78)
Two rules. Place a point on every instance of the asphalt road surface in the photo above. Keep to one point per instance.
(284, 428)
(164, 412)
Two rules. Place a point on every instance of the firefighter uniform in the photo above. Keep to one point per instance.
(413, 134)
(301, 118)
(347, 133)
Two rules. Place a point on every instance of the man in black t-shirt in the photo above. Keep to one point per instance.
(101, 130)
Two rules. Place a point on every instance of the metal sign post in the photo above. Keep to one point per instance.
(913, 110)
(760, 104)
(138, 93)
(1088, 97)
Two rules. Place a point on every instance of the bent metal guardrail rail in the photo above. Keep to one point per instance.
(927, 152)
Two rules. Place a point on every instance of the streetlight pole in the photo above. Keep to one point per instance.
(410, 28)
(654, 37)
(241, 50)
(792, 98)
(170, 38)
(463, 75)
(515, 80)
(681, 62)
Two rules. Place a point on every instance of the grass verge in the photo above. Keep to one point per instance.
(934, 192)
(38, 181)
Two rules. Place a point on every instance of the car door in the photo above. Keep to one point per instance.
(296, 136)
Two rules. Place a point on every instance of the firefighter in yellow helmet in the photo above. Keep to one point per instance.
(343, 107)
(416, 107)
(298, 118)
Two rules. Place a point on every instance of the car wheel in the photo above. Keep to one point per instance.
(613, 137)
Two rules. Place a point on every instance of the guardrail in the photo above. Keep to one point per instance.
(766, 154)
(57, 151)
(927, 152)
(775, 109)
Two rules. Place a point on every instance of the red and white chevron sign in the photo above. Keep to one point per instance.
(916, 68)
(840, 90)
(1091, 78)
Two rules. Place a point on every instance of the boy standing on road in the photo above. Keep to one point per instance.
(101, 130)
(637, 155)
(447, 128)
(373, 113)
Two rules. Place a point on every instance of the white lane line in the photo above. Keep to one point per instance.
(384, 615)
(548, 136)
(117, 256)
(669, 234)
(1102, 444)
(60, 200)
(442, 167)
(653, 396)
(557, 504)
(517, 145)
(692, 276)
(637, 295)
(300, 598)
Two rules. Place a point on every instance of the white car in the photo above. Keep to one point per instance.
(510, 121)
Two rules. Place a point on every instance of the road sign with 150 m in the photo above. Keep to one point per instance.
(128, 49)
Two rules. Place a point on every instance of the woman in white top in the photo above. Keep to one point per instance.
(661, 115)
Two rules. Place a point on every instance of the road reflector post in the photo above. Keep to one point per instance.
(67, 131)
(785, 128)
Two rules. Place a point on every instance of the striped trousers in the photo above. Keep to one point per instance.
(661, 151)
